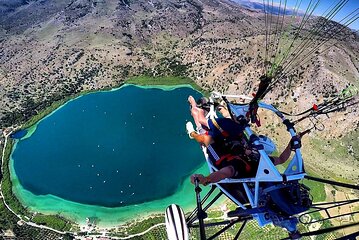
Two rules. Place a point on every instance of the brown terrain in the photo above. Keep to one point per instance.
(53, 49)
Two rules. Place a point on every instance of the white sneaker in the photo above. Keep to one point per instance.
(190, 129)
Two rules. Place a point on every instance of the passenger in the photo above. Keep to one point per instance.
(238, 167)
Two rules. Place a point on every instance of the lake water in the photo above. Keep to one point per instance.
(112, 149)
(18, 134)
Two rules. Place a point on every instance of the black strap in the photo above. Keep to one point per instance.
(332, 182)
(261, 92)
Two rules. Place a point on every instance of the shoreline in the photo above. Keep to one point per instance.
(108, 217)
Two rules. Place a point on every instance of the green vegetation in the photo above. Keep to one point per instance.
(251, 231)
(215, 214)
(52, 221)
(331, 151)
(140, 226)
(351, 140)
(9, 222)
(40, 115)
(316, 188)
(6, 186)
(167, 81)
(7, 219)
(145, 224)
(325, 224)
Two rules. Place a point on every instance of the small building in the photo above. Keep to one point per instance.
(8, 234)
(20, 222)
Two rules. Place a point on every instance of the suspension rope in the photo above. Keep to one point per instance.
(308, 42)
(345, 96)
(326, 110)
(305, 60)
(298, 33)
(286, 34)
(274, 37)
(314, 32)
(337, 103)
(346, 185)
(266, 37)
(270, 31)
(276, 29)
(274, 66)
(309, 57)
(308, 12)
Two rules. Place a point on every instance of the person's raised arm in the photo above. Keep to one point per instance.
(284, 156)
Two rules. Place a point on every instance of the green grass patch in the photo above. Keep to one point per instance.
(165, 81)
(155, 234)
(352, 140)
(316, 190)
(325, 224)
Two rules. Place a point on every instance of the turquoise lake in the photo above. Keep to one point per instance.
(111, 149)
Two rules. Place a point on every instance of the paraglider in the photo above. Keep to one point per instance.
(269, 196)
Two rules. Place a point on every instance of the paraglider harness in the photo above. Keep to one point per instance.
(270, 196)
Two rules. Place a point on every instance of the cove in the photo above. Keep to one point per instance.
(18, 134)
(111, 149)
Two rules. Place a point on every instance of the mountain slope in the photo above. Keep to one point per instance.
(52, 49)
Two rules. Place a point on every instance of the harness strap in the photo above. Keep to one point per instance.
(230, 157)
(224, 133)
(213, 152)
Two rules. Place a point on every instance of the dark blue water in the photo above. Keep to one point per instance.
(19, 134)
(111, 148)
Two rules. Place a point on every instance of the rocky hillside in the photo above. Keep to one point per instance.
(52, 49)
